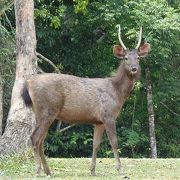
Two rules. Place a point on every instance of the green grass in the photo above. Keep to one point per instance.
(21, 166)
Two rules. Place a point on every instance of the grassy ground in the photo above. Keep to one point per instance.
(21, 166)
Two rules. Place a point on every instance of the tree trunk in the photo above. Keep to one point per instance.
(151, 116)
(1, 105)
(21, 119)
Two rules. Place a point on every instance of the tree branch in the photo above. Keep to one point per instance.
(6, 7)
(9, 22)
(66, 128)
(49, 61)
(169, 109)
(58, 127)
(39, 70)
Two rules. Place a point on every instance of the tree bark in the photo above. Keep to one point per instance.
(21, 119)
(151, 116)
(1, 105)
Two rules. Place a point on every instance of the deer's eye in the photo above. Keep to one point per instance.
(126, 58)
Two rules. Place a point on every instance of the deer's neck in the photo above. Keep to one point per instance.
(124, 81)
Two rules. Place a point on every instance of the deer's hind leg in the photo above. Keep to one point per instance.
(44, 120)
(43, 159)
(35, 145)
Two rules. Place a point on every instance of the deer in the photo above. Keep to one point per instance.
(77, 100)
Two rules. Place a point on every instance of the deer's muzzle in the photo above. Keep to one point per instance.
(133, 69)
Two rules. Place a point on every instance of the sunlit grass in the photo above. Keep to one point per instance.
(20, 166)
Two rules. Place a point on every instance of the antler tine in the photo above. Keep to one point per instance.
(119, 36)
(139, 38)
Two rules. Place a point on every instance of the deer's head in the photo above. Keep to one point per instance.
(131, 57)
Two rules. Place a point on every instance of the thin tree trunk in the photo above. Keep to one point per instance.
(21, 119)
(151, 116)
(1, 105)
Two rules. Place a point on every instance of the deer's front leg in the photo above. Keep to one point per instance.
(98, 132)
(112, 135)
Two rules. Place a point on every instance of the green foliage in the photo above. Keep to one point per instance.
(7, 46)
(69, 143)
(81, 6)
(7, 66)
(52, 12)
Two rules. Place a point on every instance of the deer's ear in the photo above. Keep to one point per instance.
(118, 51)
(144, 50)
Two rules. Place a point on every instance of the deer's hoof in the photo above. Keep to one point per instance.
(38, 172)
(93, 173)
(49, 176)
(124, 176)
(47, 172)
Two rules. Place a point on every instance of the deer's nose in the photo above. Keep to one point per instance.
(133, 68)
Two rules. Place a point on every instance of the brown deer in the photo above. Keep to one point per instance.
(72, 99)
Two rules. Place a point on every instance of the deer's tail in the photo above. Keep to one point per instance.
(25, 95)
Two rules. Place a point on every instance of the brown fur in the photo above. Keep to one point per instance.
(73, 99)
(80, 100)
